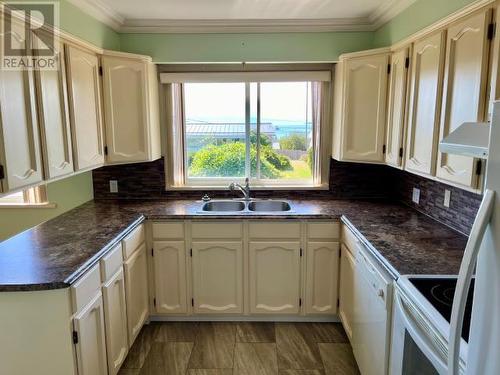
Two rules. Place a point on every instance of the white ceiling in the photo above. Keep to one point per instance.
(242, 15)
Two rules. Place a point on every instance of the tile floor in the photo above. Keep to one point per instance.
(248, 348)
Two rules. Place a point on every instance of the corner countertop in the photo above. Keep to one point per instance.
(54, 254)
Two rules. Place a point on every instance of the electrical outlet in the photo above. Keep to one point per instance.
(447, 198)
(113, 186)
(416, 196)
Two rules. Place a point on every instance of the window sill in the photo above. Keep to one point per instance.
(28, 205)
(252, 188)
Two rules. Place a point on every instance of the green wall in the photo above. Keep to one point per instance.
(420, 14)
(273, 47)
(67, 194)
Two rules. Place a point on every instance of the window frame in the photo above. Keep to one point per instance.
(176, 173)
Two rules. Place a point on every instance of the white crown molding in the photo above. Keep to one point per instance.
(102, 12)
(387, 11)
(245, 26)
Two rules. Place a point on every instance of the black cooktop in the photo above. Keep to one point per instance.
(439, 292)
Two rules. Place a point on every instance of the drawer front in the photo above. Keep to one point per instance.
(86, 288)
(217, 230)
(272, 229)
(111, 262)
(168, 230)
(323, 230)
(350, 240)
(132, 242)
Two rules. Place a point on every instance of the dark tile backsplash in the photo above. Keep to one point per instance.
(347, 180)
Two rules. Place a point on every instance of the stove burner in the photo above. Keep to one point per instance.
(443, 294)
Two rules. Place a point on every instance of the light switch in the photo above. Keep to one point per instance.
(113, 186)
(416, 196)
(447, 198)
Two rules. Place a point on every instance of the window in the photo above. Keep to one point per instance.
(228, 129)
(33, 196)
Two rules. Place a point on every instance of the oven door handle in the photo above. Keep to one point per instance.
(464, 279)
(420, 337)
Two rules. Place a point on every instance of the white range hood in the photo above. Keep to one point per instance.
(469, 139)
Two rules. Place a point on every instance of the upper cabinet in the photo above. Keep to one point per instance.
(85, 107)
(53, 118)
(360, 107)
(425, 104)
(465, 89)
(20, 156)
(396, 107)
(130, 89)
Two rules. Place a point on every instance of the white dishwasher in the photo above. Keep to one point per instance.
(372, 315)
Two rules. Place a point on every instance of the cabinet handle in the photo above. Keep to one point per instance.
(380, 293)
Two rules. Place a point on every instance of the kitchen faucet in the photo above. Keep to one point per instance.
(244, 189)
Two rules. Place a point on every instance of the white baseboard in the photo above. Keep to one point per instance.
(239, 318)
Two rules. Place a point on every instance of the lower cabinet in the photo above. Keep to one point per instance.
(274, 275)
(136, 287)
(115, 319)
(322, 264)
(169, 263)
(91, 346)
(346, 294)
(217, 269)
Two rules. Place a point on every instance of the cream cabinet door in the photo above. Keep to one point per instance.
(365, 90)
(20, 155)
(274, 277)
(347, 290)
(425, 104)
(465, 86)
(170, 277)
(85, 108)
(126, 111)
(217, 277)
(322, 274)
(53, 118)
(115, 320)
(136, 292)
(396, 112)
(91, 347)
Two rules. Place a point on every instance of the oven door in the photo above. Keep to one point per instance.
(415, 348)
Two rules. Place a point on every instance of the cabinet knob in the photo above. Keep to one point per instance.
(380, 293)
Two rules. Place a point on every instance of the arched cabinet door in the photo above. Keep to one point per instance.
(465, 87)
(20, 156)
(170, 277)
(217, 277)
(274, 277)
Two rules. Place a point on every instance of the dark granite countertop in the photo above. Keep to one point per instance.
(56, 253)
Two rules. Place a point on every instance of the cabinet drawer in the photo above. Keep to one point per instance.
(133, 241)
(111, 262)
(168, 230)
(323, 230)
(350, 240)
(217, 230)
(86, 288)
(274, 230)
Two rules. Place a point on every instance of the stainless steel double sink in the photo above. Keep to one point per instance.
(249, 206)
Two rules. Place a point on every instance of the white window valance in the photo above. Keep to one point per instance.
(282, 76)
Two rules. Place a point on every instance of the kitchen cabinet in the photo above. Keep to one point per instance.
(465, 89)
(217, 269)
(169, 262)
(91, 347)
(136, 287)
(346, 293)
(115, 319)
(85, 107)
(322, 265)
(360, 107)
(396, 107)
(131, 113)
(53, 118)
(274, 277)
(20, 155)
(425, 104)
